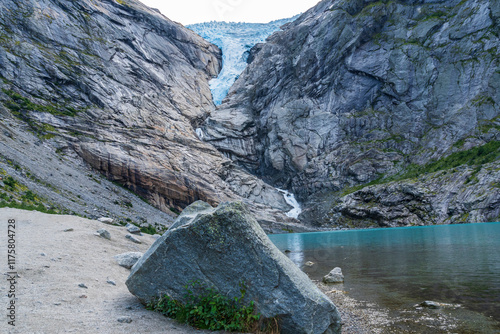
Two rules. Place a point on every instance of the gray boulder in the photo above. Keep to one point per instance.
(133, 229)
(334, 276)
(221, 247)
(104, 233)
(128, 259)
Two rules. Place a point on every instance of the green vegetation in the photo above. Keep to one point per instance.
(209, 309)
(475, 156)
(19, 102)
(150, 229)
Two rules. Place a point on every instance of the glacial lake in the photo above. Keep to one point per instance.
(398, 268)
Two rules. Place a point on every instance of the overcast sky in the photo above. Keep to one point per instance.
(258, 11)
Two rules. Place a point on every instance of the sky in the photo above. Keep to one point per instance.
(254, 11)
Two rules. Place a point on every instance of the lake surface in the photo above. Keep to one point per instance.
(400, 267)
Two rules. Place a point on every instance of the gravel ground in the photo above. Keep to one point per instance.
(52, 263)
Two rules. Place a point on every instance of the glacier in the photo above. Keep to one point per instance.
(235, 39)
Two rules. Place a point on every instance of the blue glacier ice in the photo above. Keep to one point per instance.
(235, 40)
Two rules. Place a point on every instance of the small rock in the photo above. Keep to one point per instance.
(81, 285)
(133, 229)
(287, 251)
(83, 296)
(127, 320)
(156, 236)
(309, 263)
(57, 304)
(133, 239)
(106, 220)
(104, 234)
(43, 254)
(334, 276)
(128, 259)
(430, 304)
(68, 230)
(109, 281)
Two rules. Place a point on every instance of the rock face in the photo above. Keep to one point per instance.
(357, 90)
(123, 87)
(225, 246)
(462, 195)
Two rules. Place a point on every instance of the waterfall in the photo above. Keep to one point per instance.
(290, 200)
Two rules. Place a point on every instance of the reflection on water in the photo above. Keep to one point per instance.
(404, 266)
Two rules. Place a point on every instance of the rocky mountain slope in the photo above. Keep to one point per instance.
(124, 88)
(357, 92)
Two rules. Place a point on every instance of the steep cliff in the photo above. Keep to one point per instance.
(123, 87)
(357, 91)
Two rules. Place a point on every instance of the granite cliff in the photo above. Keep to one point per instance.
(122, 88)
(360, 92)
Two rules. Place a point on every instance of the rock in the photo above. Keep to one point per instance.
(332, 100)
(334, 276)
(109, 281)
(156, 236)
(134, 99)
(430, 304)
(221, 247)
(128, 259)
(125, 319)
(106, 220)
(82, 285)
(68, 230)
(104, 233)
(309, 264)
(133, 239)
(133, 229)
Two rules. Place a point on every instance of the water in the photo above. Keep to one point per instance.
(398, 268)
(290, 200)
(235, 40)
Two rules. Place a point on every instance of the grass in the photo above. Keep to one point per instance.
(18, 103)
(206, 308)
(475, 156)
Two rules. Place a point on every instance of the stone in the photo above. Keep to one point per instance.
(104, 233)
(309, 264)
(106, 220)
(125, 319)
(109, 281)
(133, 229)
(334, 276)
(82, 285)
(68, 230)
(128, 259)
(222, 247)
(133, 239)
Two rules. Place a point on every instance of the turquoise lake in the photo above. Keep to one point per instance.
(400, 267)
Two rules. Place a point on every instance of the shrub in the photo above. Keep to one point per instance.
(209, 309)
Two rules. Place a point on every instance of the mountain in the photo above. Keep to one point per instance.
(376, 113)
(117, 87)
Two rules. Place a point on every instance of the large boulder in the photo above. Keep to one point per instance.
(222, 247)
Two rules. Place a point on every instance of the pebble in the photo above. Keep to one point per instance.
(133, 239)
(106, 220)
(109, 281)
(68, 230)
(81, 285)
(309, 263)
(127, 320)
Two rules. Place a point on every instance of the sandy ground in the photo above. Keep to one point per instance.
(51, 263)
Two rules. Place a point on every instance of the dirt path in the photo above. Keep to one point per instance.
(52, 263)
